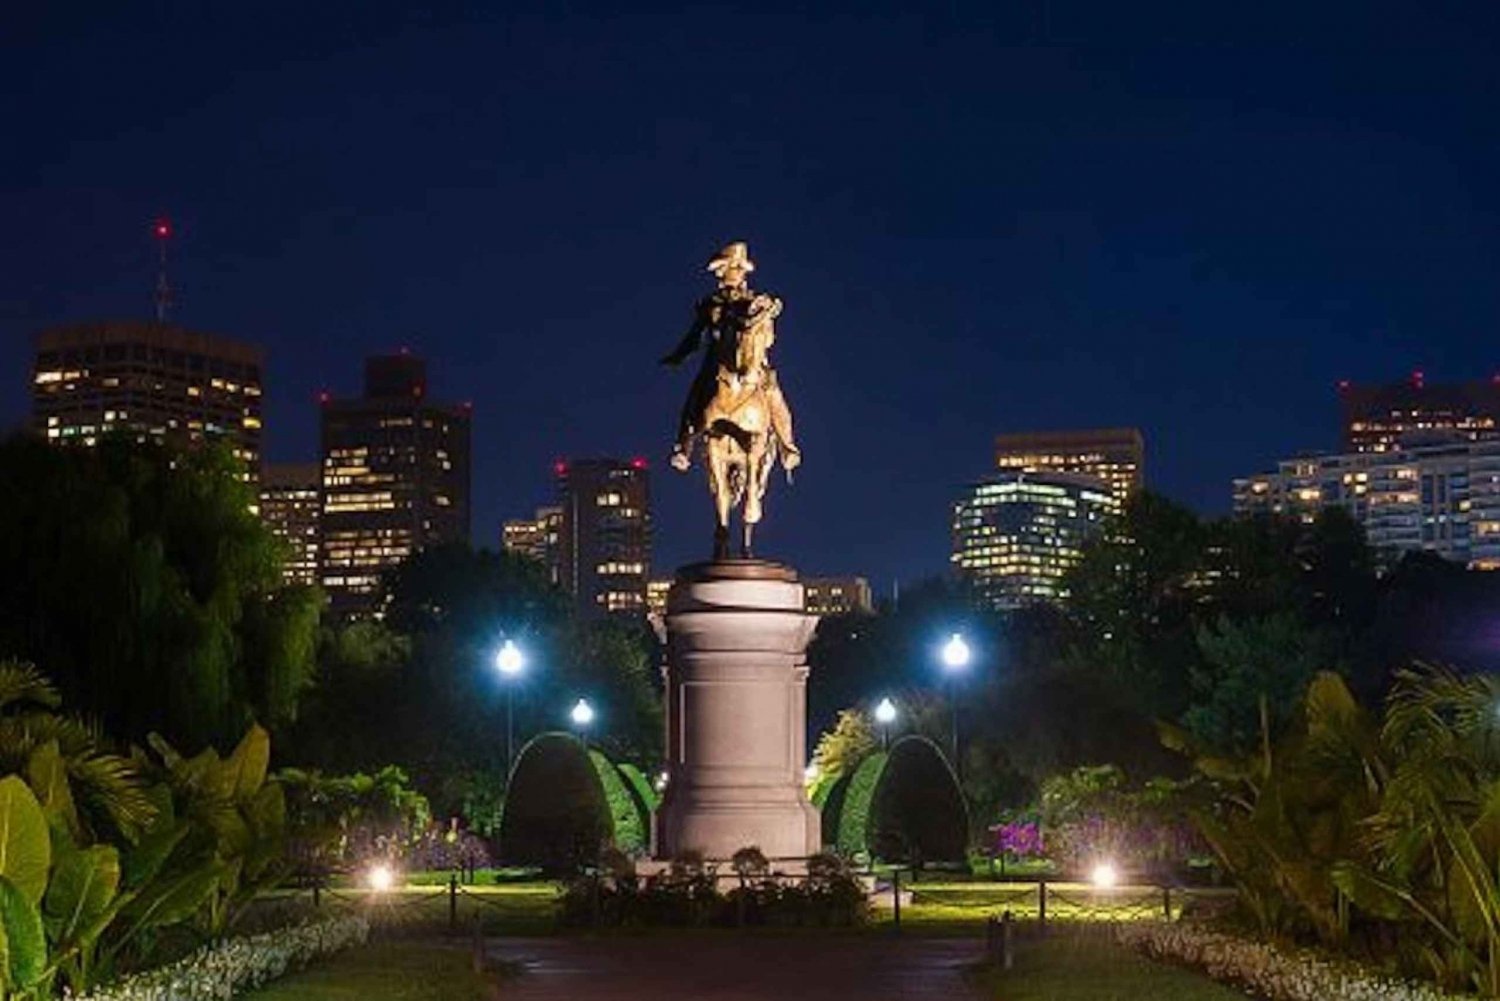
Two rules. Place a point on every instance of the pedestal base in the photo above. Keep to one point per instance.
(736, 678)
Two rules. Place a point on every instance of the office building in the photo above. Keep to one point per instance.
(1017, 534)
(1442, 498)
(150, 380)
(537, 538)
(1400, 414)
(829, 596)
(656, 595)
(1115, 455)
(395, 479)
(605, 544)
(290, 507)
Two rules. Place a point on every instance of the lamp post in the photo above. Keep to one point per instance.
(955, 660)
(510, 662)
(885, 715)
(582, 714)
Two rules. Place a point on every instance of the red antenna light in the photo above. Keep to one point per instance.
(637, 463)
(162, 230)
(1343, 384)
(1417, 377)
(323, 397)
(560, 468)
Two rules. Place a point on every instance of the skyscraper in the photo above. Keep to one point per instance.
(1440, 498)
(152, 380)
(1115, 455)
(290, 507)
(537, 538)
(1400, 414)
(1015, 535)
(605, 544)
(395, 479)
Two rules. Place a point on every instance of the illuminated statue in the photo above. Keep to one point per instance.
(735, 403)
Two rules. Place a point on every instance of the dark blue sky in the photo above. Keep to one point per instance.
(982, 217)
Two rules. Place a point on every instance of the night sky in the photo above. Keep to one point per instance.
(988, 217)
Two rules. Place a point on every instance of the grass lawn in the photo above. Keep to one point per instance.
(1090, 967)
(386, 971)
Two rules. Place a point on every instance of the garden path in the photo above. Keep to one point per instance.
(732, 968)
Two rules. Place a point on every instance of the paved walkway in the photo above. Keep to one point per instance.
(732, 968)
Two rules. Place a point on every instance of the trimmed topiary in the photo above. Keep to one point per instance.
(853, 810)
(630, 823)
(557, 814)
(917, 813)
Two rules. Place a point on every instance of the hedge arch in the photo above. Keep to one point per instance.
(556, 810)
(630, 818)
(904, 804)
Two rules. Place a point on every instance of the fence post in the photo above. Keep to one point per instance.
(453, 901)
(1041, 903)
(1005, 950)
(317, 891)
(1166, 902)
(989, 937)
(896, 896)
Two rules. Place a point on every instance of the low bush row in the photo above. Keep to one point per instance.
(222, 972)
(1268, 971)
(690, 893)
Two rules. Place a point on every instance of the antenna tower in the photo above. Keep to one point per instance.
(162, 230)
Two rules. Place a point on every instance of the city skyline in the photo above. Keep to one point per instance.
(1167, 239)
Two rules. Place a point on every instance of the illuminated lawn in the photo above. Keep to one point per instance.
(507, 909)
(1090, 967)
(965, 903)
(388, 971)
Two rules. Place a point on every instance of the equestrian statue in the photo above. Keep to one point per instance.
(735, 404)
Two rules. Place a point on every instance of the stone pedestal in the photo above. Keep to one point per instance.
(736, 680)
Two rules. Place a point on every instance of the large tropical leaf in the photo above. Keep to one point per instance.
(172, 900)
(25, 942)
(25, 845)
(83, 886)
(249, 762)
(47, 774)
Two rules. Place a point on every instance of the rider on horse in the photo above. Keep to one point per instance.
(729, 311)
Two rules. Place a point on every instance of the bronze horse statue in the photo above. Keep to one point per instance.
(739, 424)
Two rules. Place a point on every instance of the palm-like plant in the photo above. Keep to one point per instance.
(1433, 845)
(64, 759)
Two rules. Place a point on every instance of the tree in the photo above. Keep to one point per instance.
(141, 577)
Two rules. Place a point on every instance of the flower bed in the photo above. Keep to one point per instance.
(1268, 971)
(221, 972)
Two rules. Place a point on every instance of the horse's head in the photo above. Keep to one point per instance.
(755, 337)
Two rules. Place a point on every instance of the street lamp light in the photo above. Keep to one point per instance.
(582, 715)
(510, 662)
(885, 715)
(956, 656)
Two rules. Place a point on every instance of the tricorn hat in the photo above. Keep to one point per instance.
(734, 253)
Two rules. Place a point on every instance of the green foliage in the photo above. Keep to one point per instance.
(630, 824)
(556, 813)
(841, 749)
(850, 804)
(337, 821)
(25, 848)
(25, 944)
(421, 688)
(1247, 661)
(183, 626)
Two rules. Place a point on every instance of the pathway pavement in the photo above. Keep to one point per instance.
(715, 967)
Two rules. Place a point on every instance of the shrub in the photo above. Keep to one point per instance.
(918, 812)
(556, 814)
